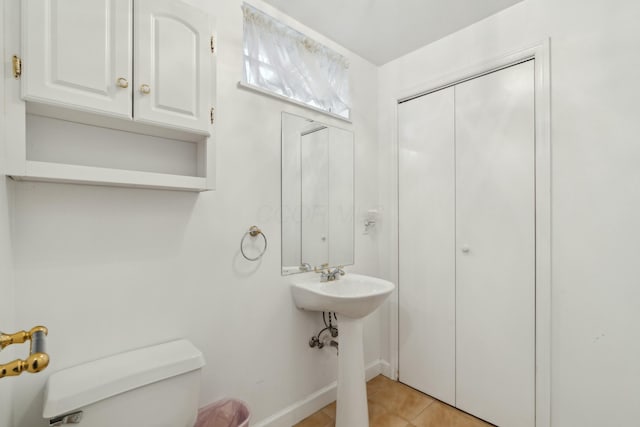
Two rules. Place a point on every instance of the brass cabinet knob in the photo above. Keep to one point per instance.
(122, 82)
(145, 89)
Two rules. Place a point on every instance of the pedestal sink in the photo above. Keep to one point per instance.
(352, 297)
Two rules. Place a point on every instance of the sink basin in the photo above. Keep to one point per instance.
(353, 295)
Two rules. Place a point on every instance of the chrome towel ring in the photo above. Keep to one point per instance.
(254, 231)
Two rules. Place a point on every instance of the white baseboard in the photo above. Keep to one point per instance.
(387, 370)
(301, 409)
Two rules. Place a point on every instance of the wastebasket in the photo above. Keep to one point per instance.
(224, 413)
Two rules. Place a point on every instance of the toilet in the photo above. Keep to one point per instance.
(155, 386)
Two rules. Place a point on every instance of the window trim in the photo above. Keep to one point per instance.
(253, 88)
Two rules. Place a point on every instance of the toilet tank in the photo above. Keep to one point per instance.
(155, 386)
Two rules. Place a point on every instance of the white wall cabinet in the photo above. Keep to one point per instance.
(76, 51)
(79, 54)
(172, 65)
(467, 245)
(132, 66)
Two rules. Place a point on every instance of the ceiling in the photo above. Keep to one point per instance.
(383, 30)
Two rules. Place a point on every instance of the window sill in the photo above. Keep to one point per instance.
(291, 101)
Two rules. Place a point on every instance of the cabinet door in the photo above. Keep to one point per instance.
(172, 65)
(426, 287)
(77, 54)
(495, 234)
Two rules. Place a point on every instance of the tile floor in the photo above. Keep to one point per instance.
(392, 404)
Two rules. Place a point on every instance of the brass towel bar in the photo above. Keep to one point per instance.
(38, 359)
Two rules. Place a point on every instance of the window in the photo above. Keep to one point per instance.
(285, 62)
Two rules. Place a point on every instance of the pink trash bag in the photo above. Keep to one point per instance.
(224, 413)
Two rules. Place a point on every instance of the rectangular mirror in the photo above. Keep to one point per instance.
(317, 195)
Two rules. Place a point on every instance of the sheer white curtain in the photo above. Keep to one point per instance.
(279, 59)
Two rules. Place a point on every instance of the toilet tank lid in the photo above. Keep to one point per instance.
(73, 388)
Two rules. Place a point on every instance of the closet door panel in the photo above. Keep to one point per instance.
(495, 238)
(427, 244)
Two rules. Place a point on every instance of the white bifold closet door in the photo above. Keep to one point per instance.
(427, 245)
(474, 256)
(495, 237)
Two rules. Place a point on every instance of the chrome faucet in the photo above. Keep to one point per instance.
(331, 275)
(305, 267)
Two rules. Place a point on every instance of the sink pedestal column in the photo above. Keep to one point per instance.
(352, 410)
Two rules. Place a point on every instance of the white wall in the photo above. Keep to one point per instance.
(595, 187)
(6, 267)
(6, 299)
(108, 269)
